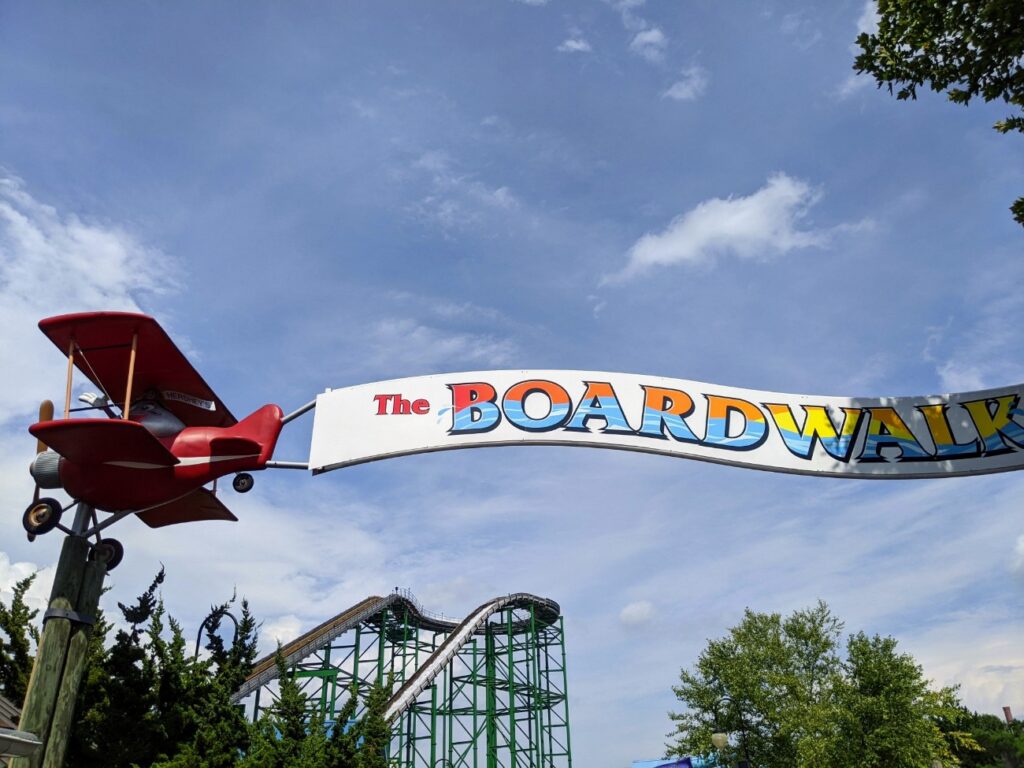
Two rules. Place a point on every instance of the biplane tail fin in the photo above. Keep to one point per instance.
(196, 506)
(260, 428)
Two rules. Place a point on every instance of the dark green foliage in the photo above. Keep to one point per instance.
(790, 699)
(18, 638)
(969, 49)
(286, 737)
(1002, 745)
(117, 722)
(374, 731)
(146, 702)
(343, 746)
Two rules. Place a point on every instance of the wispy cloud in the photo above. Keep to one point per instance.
(575, 43)
(758, 226)
(637, 614)
(420, 347)
(981, 352)
(415, 333)
(690, 86)
(802, 30)
(457, 201)
(627, 10)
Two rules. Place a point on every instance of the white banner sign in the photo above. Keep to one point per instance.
(899, 437)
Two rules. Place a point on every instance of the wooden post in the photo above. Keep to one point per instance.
(74, 668)
(44, 684)
(131, 375)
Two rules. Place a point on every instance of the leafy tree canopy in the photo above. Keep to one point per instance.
(969, 49)
(791, 698)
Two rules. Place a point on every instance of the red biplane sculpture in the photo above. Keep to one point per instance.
(164, 434)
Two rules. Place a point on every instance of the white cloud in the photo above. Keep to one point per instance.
(758, 226)
(13, 572)
(649, 43)
(637, 613)
(574, 44)
(533, 2)
(690, 86)
(51, 263)
(867, 23)
(282, 630)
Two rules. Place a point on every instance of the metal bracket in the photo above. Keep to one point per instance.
(61, 613)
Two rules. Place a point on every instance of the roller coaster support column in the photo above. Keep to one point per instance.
(63, 648)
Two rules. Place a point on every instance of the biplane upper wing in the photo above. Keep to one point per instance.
(198, 505)
(98, 441)
(101, 342)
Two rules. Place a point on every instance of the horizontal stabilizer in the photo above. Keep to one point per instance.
(97, 441)
(198, 505)
(234, 446)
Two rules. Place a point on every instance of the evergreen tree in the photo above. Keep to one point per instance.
(343, 746)
(119, 723)
(287, 736)
(374, 731)
(221, 733)
(145, 702)
(18, 637)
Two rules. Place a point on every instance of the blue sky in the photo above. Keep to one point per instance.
(312, 197)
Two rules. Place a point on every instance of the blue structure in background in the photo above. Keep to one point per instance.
(674, 762)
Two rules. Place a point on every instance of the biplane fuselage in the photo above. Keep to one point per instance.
(122, 463)
(107, 474)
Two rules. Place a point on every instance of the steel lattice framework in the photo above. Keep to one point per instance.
(489, 691)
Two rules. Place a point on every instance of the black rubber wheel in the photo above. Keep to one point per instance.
(109, 551)
(243, 482)
(41, 517)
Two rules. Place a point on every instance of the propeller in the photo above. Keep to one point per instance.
(42, 515)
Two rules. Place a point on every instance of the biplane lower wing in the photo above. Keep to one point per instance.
(99, 441)
(198, 505)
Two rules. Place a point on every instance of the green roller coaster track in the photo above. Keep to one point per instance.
(489, 691)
